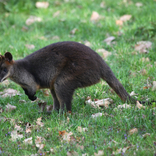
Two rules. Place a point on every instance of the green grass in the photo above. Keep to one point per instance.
(104, 130)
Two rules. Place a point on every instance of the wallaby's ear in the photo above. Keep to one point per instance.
(8, 56)
(1, 58)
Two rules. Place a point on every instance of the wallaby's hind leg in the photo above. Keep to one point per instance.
(64, 93)
(56, 105)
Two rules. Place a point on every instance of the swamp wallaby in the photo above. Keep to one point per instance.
(62, 67)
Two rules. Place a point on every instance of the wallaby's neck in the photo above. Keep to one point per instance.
(19, 72)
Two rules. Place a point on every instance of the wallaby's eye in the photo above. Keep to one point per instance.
(5, 70)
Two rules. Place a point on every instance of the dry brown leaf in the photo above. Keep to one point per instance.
(9, 93)
(65, 135)
(42, 4)
(72, 153)
(119, 22)
(95, 16)
(109, 40)
(138, 4)
(100, 153)
(102, 4)
(33, 19)
(39, 141)
(46, 92)
(133, 93)
(125, 18)
(28, 141)
(5, 83)
(143, 72)
(138, 105)
(18, 128)
(104, 52)
(146, 135)
(56, 14)
(15, 135)
(22, 101)
(74, 31)
(80, 129)
(143, 46)
(154, 86)
(80, 146)
(39, 123)
(143, 59)
(100, 103)
(1, 110)
(96, 115)
(10, 108)
(133, 131)
(125, 106)
(28, 128)
(87, 43)
(30, 46)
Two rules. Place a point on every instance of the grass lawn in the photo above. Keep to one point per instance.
(25, 28)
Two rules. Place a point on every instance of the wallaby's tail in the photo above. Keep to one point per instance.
(114, 83)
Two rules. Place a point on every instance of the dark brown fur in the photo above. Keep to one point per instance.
(62, 67)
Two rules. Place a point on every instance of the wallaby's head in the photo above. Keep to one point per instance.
(5, 65)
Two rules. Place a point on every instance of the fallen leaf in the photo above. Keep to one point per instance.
(100, 103)
(80, 146)
(96, 115)
(119, 22)
(109, 40)
(138, 4)
(117, 151)
(15, 135)
(80, 129)
(42, 4)
(56, 14)
(65, 135)
(125, 18)
(9, 93)
(18, 128)
(46, 92)
(133, 131)
(5, 83)
(133, 93)
(39, 123)
(28, 128)
(28, 141)
(143, 46)
(39, 142)
(1, 109)
(138, 105)
(100, 153)
(33, 19)
(104, 52)
(95, 16)
(10, 108)
(154, 86)
(143, 59)
(22, 101)
(30, 46)
(42, 106)
(102, 4)
(143, 72)
(74, 31)
(146, 135)
(126, 106)
(72, 153)
(87, 43)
